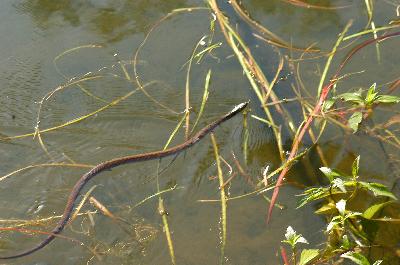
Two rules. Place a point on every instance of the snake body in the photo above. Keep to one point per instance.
(107, 165)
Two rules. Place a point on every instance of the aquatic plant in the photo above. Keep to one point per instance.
(351, 225)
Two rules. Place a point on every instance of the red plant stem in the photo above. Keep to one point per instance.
(315, 112)
(284, 256)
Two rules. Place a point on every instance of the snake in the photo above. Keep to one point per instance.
(109, 164)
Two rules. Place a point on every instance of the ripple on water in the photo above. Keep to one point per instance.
(20, 88)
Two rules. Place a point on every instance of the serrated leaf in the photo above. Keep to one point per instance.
(387, 99)
(378, 189)
(355, 120)
(372, 210)
(356, 258)
(356, 167)
(308, 255)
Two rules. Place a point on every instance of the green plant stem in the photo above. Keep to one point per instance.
(223, 198)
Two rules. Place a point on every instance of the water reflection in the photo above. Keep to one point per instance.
(293, 22)
(112, 20)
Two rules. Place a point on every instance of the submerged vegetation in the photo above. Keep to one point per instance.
(361, 213)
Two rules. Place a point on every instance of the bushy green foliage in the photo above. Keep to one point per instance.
(348, 230)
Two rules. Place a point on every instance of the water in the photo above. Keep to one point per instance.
(46, 43)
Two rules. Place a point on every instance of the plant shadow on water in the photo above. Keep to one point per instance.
(85, 82)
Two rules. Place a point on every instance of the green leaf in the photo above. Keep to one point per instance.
(313, 194)
(331, 174)
(346, 244)
(355, 120)
(334, 222)
(377, 262)
(387, 99)
(369, 99)
(308, 255)
(354, 97)
(356, 167)
(378, 189)
(357, 258)
(339, 183)
(351, 183)
(372, 210)
(328, 104)
(351, 214)
(329, 208)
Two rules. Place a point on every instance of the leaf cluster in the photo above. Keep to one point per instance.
(347, 233)
(362, 100)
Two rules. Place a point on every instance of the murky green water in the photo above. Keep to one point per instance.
(46, 43)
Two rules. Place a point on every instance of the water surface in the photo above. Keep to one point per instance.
(45, 44)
